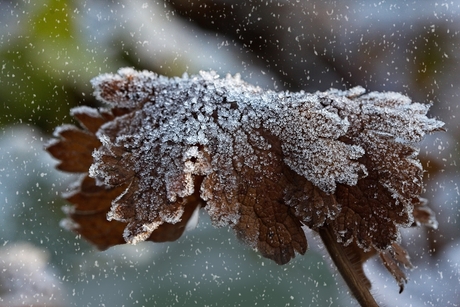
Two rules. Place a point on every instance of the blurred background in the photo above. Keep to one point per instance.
(50, 49)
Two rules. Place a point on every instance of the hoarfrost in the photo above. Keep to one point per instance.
(265, 163)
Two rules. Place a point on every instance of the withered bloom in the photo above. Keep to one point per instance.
(343, 163)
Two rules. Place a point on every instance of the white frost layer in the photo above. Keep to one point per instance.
(203, 125)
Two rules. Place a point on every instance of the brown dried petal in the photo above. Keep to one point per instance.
(392, 258)
(91, 119)
(395, 164)
(74, 148)
(92, 202)
(313, 206)
(265, 222)
(126, 89)
(88, 216)
(424, 215)
(171, 232)
(369, 215)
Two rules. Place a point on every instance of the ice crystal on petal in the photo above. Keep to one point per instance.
(262, 162)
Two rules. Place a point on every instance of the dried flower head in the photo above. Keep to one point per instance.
(265, 163)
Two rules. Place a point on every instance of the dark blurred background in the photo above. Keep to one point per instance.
(49, 50)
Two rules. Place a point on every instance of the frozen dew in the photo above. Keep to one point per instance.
(202, 126)
(265, 163)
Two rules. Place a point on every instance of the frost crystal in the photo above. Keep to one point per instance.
(265, 163)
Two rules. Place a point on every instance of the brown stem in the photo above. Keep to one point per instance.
(351, 273)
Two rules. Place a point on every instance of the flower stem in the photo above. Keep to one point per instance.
(349, 268)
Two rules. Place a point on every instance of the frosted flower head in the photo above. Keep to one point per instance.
(264, 163)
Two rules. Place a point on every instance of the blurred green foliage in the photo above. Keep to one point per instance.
(46, 63)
